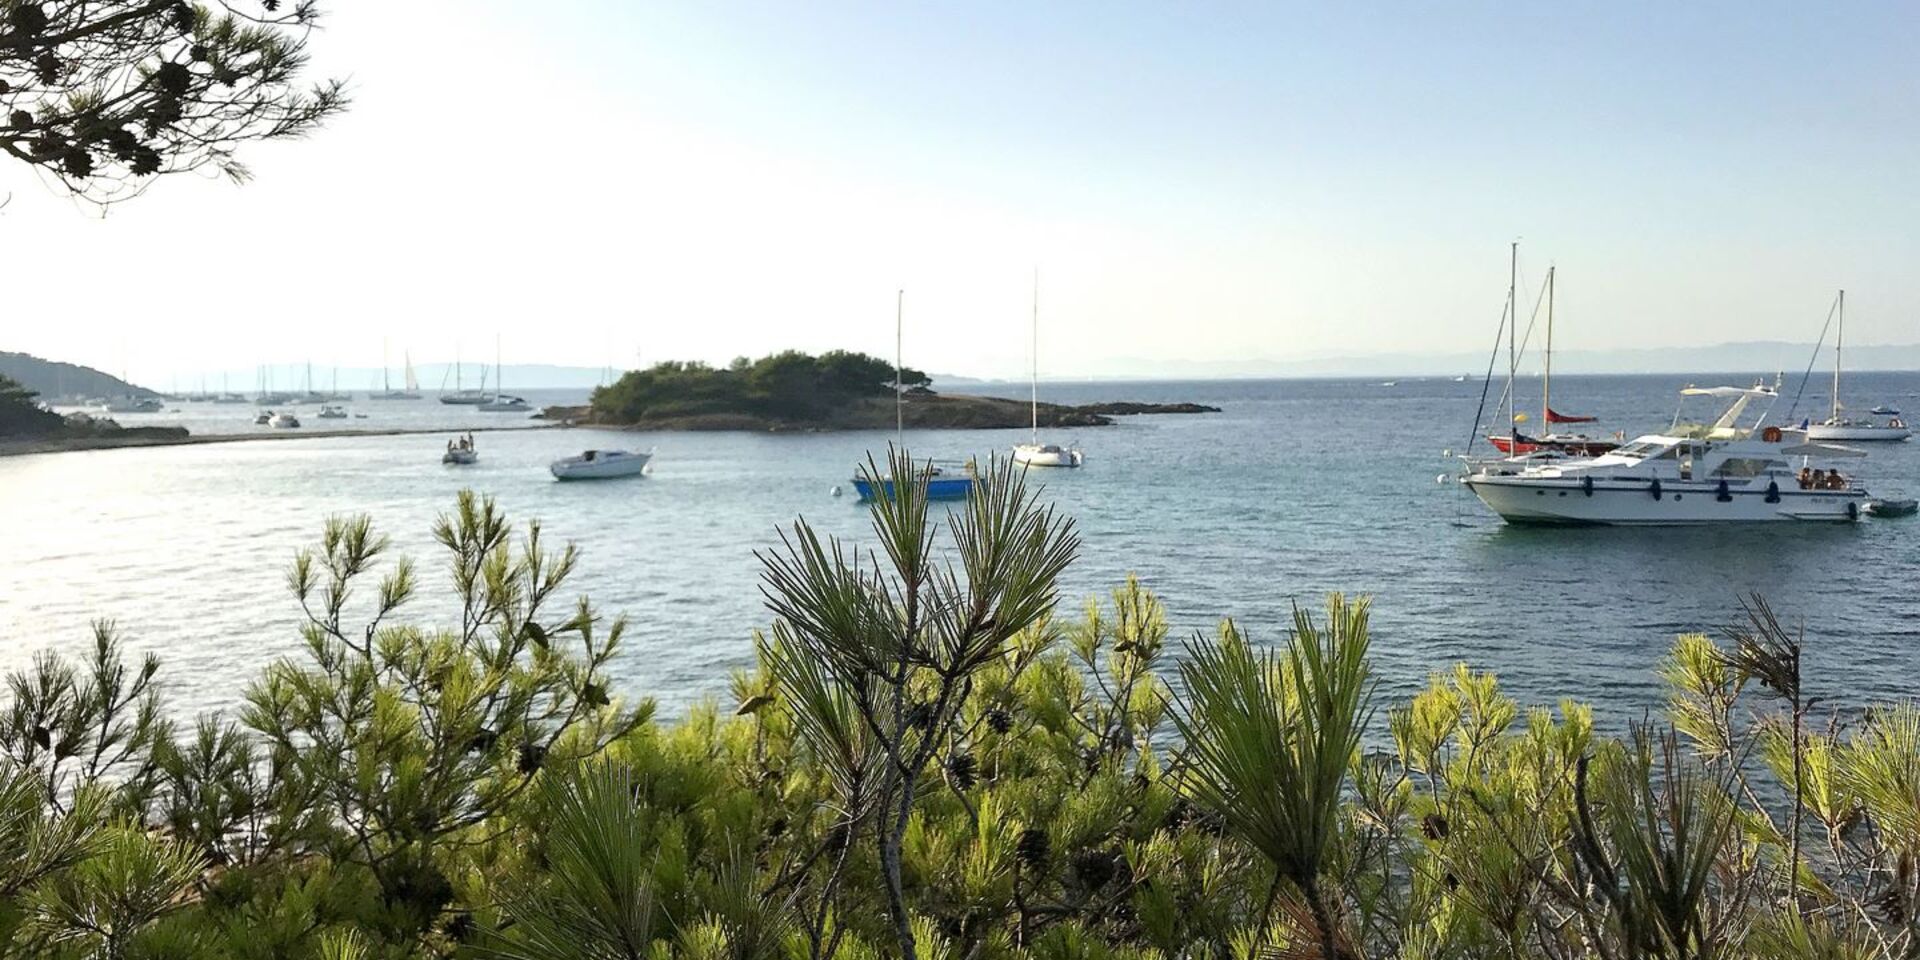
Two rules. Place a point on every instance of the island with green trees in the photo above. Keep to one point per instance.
(837, 390)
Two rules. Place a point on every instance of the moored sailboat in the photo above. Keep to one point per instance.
(1035, 453)
(940, 484)
(1840, 427)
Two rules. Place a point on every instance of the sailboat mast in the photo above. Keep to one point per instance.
(899, 415)
(386, 386)
(1546, 378)
(499, 372)
(1035, 381)
(1513, 357)
(1839, 337)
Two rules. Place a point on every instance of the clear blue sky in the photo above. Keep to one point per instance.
(700, 180)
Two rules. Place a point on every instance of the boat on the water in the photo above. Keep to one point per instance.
(333, 412)
(412, 391)
(500, 402)
(1893, 508)
(132, 405)
(1713, 473)
(940, 484)
(602, 465)
(1515, 443)
(283, 421)
(264, 418)
(461, 451)
(1838, 426)
(461, 395)
(1035, 453)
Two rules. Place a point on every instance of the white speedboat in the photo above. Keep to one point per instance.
(602, 465)
(1715, 473)
(1838, 426)
(332, 412)
(132, 405)
(503, 403)
(265, 418)
(283, 421)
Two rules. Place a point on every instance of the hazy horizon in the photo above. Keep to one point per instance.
(1266, 184)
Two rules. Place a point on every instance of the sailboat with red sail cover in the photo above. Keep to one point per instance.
(1517, 444)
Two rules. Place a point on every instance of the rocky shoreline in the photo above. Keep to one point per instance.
(922, 411)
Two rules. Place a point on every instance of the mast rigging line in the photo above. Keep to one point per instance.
(1808, 375)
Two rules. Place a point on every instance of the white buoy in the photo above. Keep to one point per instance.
(835, 491)
(1440, 479)
(1446, 453)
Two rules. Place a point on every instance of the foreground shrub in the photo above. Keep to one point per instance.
(928, 761)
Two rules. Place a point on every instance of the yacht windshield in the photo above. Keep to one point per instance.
(1639, 449)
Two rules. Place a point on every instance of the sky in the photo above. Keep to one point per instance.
(600, 183)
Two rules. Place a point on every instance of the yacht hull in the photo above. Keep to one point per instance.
(1857, 433)
(938, 488)
(601, 467)
(1035, 457)
(1631, 502)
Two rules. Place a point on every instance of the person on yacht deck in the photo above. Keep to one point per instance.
(1806, 478)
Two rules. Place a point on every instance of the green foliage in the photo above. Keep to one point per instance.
(784, 386)
(104, 96)
(925, 762)
(20, 414)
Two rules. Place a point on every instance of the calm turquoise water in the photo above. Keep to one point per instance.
(1298, 488)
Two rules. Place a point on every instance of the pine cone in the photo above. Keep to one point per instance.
(1093, 868)
(1434, 826)
(999, 720)
(532, 755)
(962, 768)
(1033, 847)
(920, 715)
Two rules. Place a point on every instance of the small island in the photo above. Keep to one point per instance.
(837, 390)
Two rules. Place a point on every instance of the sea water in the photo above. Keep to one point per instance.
(1297, 488)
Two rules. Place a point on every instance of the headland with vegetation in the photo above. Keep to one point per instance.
(837, 390)
(928, 760)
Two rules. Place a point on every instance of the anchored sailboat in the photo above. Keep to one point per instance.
(500, 402)
(1035, 453)
(1516, 443)
(1838, 427)
(941, 485)
(412, 390)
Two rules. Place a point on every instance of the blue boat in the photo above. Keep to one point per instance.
(940, 486)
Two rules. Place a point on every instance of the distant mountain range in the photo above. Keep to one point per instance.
(1755, 357)
(52, 379)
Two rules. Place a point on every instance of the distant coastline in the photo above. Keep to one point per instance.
(177, 437)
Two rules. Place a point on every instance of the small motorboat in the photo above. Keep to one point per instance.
(1884, 411)
(283, 421)
(333, 412)
(266, 417)
(461, 451)
(1893, 508)
(601, 465)
(505, 404)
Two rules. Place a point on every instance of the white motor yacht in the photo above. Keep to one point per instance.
(1046, 455)
(333, 412)
(502, 403)
(1714, 473)
(283, 421)
(602, 465)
